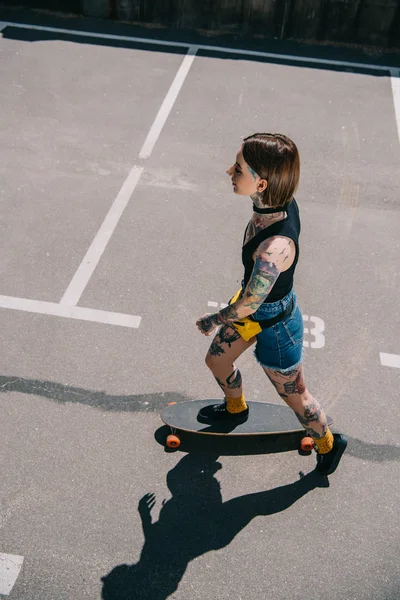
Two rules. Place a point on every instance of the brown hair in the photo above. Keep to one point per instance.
(275, 158)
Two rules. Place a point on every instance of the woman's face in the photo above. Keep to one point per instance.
(245, 181)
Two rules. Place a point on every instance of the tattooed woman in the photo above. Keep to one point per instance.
(264, 312)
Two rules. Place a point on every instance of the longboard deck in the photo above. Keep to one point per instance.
(265, 418)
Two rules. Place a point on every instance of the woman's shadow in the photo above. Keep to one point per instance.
(194, 521)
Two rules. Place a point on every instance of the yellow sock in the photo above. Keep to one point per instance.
(236, 405)
(324, 444)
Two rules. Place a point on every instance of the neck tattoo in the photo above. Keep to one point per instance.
(267, 211)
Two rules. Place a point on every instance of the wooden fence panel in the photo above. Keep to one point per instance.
(339, 20)
(374, 22)
(264, 17)
(305, 19)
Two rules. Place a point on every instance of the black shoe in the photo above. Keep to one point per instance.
(327, 463)
(219, 412)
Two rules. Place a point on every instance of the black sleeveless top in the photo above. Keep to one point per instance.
(289, 227)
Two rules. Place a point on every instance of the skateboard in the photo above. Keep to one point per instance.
(264, 419)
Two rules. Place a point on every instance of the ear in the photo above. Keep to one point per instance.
(262, 185)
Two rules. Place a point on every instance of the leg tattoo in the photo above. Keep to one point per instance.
(312, 413)
(227, 335)
(291, 387)
(234, 380)
(221, 385)
(296, 386)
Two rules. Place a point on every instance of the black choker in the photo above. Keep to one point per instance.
(268, 211)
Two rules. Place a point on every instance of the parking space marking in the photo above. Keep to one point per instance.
(167, 104)
(206, 47)
(10, 567)
(390, 360)
(70, 312)
(97, 247)
(216, 304)
(67, 307)
(395, 81)
(317, 332)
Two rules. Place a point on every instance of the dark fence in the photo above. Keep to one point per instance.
(375, 22)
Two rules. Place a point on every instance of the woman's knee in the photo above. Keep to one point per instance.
(218, 364)
(210, 361)
(296, 400)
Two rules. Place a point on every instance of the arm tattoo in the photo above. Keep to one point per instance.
(270, 257)
(224, 317)
(264, 275)
(228, 314)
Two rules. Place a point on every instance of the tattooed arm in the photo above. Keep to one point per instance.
(272, 257)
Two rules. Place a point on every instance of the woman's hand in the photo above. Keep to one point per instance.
(207, 324)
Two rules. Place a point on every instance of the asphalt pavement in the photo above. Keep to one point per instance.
(154, 232)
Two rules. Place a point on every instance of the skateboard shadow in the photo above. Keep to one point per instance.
(230, 445)
(149, 403)
(193, 522)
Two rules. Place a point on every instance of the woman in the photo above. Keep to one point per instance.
(264, 312)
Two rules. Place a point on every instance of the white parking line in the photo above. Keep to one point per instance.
(317, 332)
(395, 80)
(390, 360)
(97, 247)
(10, 566)
(215, 304)
(67, 307)
(167, 104)
(90, 261)
(70, 312)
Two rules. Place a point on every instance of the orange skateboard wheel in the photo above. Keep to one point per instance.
(171, 403)
(307, 444)
(173, 441)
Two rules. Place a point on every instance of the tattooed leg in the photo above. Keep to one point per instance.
(223, 341)
(292, 389)
(226, 347)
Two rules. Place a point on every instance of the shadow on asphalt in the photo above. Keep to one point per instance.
(288, 52)
(63, 394)
(231, 445)
(193, 522)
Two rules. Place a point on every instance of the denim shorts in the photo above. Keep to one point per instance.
(280, 347)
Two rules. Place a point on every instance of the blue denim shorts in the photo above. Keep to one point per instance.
(280, 347)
